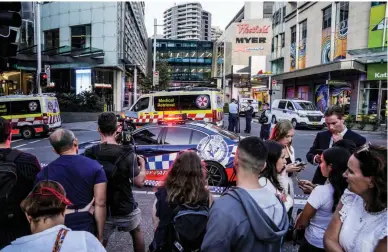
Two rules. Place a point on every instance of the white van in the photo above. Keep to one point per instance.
(31, 114)
(299, 112)
(243, 104)
(202, 104)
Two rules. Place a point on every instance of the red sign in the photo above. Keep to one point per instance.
(246, 28)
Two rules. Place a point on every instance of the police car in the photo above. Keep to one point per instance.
(161, 143)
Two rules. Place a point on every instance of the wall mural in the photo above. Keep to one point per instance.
(302, 54)
(341, 40)
(292, 57)
(325, 53)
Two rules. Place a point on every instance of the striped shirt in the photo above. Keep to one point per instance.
(28, 168)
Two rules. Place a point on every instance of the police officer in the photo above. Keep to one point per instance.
(233, 115)
(248, 117)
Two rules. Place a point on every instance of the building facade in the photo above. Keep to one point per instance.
(216, 33)
(190, 61)
(252, 10)
(89, 46)
(322, 52)
(187, 21)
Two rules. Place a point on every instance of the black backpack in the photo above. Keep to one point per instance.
(8, 180)
(186, 229)
(263, 118)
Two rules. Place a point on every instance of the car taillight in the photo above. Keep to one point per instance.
(45, 120)
(214, 115)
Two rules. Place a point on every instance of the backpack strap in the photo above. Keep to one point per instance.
(12, 155)
(59, 240)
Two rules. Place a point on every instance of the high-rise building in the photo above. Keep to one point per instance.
(216, 32)
(187, 21)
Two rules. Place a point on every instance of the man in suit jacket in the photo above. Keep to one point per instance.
(334, 118)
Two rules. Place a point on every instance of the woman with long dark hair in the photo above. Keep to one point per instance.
(185, 185)
(274, 176)
(359, 223)
(324, 199)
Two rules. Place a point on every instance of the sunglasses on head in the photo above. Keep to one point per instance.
(48, 191)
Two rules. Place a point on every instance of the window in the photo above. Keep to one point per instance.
(177, 136)
(289, 106)
(343, 11)
(282, 104)
(196, 137)
(147, 136)
(25, 107)
(368, 98)
(305, 106)
(276, 44)
(51, 39)
(326, 20)
(283, 38)
(142, 104)
(81, 36)
(4, 109)
(303, 30)
(284, 14)
(273, 45)
(293, 34)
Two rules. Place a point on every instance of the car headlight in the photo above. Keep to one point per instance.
(302, 115)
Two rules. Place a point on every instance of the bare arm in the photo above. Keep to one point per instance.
(382, 245)
(155, 219)
(331, 237)
(139, 179)
(211, 199)
(305, 216)
(100, 208)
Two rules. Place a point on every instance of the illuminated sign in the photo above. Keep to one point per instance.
(247, 29)
(253, 40)
(248, 49)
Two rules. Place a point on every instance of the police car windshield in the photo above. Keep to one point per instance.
(222, 132)
(305, 106)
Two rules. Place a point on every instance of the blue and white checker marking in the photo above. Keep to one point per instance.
(212, 189)
(161, 162)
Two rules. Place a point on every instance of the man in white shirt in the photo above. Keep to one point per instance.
(233, 115)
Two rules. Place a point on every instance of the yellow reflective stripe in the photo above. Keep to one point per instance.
(22, 116)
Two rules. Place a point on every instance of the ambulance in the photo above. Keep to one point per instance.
(31, 114)
(201, 104)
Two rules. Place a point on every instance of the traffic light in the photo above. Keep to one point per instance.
(9, 17)
(43, 79)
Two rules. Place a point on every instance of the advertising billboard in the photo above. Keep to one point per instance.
(376, 25)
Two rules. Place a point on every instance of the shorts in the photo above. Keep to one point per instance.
(126, 223)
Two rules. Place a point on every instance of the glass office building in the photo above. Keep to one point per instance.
(190, 61)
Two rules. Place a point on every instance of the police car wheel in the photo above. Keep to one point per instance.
(294, 123)
(273, 119)
(216, 175)
(27, 132)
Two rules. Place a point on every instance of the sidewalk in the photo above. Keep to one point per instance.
(81, 126)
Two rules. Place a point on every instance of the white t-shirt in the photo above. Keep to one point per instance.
(75, 241)
(360, 231)
(321, 199)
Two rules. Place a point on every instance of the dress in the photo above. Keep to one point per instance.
(361, 231)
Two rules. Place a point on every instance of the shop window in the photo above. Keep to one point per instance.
(326, 20)
(51, 39)
(368, 98)
(81, 36)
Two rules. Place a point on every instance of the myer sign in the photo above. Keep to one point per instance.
(377, 71)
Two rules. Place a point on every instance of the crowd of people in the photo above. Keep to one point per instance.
(78, 201)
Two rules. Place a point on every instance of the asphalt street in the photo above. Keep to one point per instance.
(303, 139)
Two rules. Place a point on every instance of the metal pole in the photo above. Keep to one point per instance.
(154, 62)
(135, 85)
(297, 40)
(270, 92)
(223, 71)
(38, 47)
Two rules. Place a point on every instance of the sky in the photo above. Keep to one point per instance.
(222, 12)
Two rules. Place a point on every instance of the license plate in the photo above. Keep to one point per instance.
(314, 123)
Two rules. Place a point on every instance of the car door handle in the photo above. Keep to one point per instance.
(284, 111)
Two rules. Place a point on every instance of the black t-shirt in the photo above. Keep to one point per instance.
(27, 168)
(120, 200)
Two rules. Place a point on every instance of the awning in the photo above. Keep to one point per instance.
(324, 68)
(370, 55)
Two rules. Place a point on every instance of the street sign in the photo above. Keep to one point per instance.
(47, 70)
(273, 82)
(156, 78)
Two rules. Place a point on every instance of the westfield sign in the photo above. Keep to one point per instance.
(247, 29)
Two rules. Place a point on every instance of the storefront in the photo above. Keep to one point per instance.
(372, 97)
